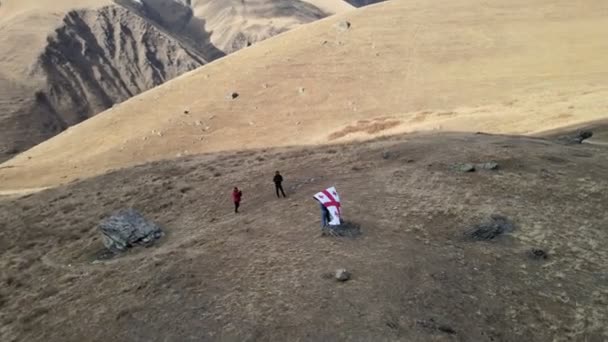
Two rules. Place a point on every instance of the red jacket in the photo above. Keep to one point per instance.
(236, 196)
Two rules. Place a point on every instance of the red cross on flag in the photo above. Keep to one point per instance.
(331, 200)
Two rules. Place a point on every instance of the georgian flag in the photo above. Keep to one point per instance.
(331, 200)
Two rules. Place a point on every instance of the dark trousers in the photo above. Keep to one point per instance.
(278, 187)
(236, 206)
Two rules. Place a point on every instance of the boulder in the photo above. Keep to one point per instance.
(487, 166)
(582, 136)
(578, 138)
(492, 228)
(466, 167)
(128, 228)
(342, 275)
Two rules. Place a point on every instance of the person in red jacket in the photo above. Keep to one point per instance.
(236, 198)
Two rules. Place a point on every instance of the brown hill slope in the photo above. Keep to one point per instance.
(260, 275)
(66, 61)
(401, 66)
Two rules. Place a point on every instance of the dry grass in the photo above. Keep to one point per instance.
(471, 65)
(261, 275)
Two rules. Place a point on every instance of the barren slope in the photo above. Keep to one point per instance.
(62, 62)
(402, 66)
(261, 275)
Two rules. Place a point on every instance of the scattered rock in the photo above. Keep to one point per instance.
(466, 167)
(487, 166)
(232, 96)
(342, 275)
(128, 228)
(538, 254)
(186, 111)
(346, 229)
(386, 155)
(301, 90)
(582, 136)
(576, 139)
(491, 229)
(342, 25)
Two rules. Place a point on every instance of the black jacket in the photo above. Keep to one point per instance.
(278, 179)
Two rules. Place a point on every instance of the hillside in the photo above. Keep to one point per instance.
(82, 57)
(265, 274)
(397, 66)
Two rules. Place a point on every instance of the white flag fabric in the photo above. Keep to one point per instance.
(331, 200)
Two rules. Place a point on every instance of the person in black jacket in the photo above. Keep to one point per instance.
(278, 180)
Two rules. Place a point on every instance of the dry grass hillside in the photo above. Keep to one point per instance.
(265, 274)
(397, 66)
(62, 62)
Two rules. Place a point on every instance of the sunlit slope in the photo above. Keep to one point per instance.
(516, 67)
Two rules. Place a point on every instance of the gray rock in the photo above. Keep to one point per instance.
(577, 138)
(537, 254)
(342, 275)
(495, 226)
(466, 167)
(128, 228)
(582, 136)
(488, 166)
